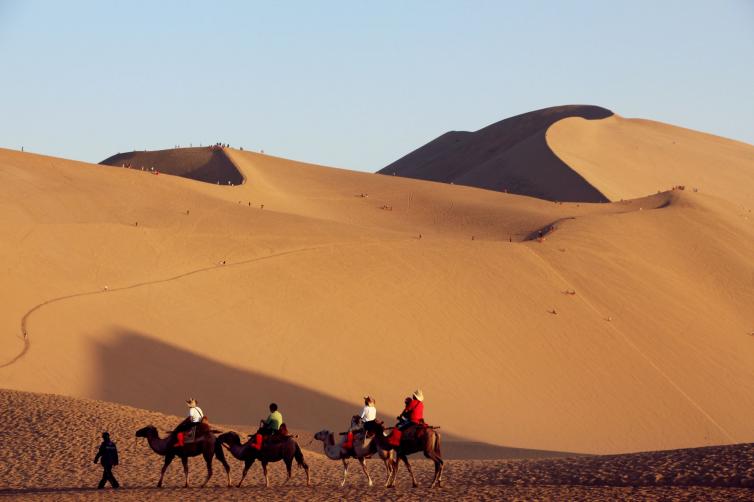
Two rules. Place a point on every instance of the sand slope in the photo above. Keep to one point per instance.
(328, 293)
(628, 158)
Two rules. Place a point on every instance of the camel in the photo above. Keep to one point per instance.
(420, 439)
(205, 445)
(286, 450)
(363, 448)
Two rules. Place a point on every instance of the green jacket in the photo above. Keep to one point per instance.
(274, 420)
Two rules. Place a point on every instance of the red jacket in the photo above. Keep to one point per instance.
(415, 411)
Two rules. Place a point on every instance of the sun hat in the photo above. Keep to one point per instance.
(418, 395)
(191, 402)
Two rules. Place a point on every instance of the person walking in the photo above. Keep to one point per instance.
(107, 456)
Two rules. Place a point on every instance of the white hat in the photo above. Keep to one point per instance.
(418, 395)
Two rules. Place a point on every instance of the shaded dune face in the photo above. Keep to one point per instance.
(508, 156)
(206, 164)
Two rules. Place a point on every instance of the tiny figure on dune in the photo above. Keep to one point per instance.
(553, 311)
(187, 212)
(261, 206)
(107, 456)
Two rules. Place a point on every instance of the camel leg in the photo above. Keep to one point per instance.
(410, 471)
(208, 459)
(345, 472)
(394, 472)
(184, 461)
(168, 459)
(364, 467)
(388, 471)
(245, 470)
(430, 454)
(288, 464)
(266, 477)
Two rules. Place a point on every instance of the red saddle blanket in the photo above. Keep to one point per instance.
(394, 439)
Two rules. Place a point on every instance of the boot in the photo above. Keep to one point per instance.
(180, 441)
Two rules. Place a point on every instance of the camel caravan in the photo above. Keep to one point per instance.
(365, 438)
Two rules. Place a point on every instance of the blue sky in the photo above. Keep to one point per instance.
(357, 84)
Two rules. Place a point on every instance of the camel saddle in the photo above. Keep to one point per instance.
(197, 432)
(278, 436)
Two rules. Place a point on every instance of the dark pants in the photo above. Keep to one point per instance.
(266, 431)
(369, 426)
(107, 475)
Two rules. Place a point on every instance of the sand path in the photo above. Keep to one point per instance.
(27, 315)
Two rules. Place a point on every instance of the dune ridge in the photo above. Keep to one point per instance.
(508, 156)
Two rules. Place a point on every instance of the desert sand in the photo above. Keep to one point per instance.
(576, 327)
(64, 435)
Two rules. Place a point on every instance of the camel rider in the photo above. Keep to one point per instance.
(403, 417)
(368, 414)
(194, 418)
(367, 418)
(414, 411)
(269, 426)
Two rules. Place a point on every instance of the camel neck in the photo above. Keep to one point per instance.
(159, 445)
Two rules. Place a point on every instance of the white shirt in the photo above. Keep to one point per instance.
(369, 413)
(195, 414)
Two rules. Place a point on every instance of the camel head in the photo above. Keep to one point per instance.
(230, 438)
(147, 432)
(322, 435)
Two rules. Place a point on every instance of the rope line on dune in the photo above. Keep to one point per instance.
(643, 354)
(25, 318)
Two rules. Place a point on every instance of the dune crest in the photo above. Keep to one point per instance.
(628, 158)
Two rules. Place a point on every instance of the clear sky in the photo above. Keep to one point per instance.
(357, 84)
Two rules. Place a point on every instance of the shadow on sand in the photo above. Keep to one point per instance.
(146, 373)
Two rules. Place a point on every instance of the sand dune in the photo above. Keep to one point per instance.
(629, 158)
(328, 292)
(508, 156)
(587, 154)
(63, 434)
(207, 164)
